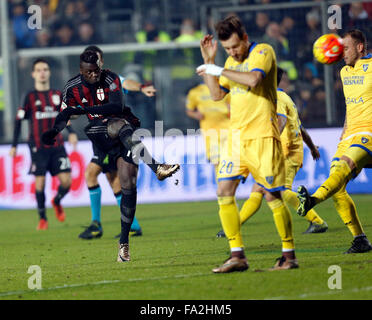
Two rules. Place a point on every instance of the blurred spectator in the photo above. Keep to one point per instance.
(43, 38)
(309, 77)
(24, 36)
(316, 108)
(358, 17)
(256, 32)
(188, 32)
(87, 34)
(151, 32)
(274, 37)
(82, 10)
(312, 32)
(48, 15)
(288, 30)
(64, 35)
(69, 13)
(149, 58)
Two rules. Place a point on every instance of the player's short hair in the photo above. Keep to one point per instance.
(38, 60)
(89, 57)
(228, 26)
(95, 49)
(279, 74)
(358, 36)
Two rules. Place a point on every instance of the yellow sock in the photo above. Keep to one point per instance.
(250, 206)
(290, 197)
(346, 209)
(283, 223)
(340, 174)
(229, 216)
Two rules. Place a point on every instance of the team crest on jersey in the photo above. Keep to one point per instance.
(364, 140)
(269, 179)
(365, 67)
(100, 94)
(56, 99)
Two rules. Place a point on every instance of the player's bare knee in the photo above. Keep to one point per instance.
(114, 126)
(349, 162)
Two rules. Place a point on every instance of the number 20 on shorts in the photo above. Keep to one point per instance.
(226, 167)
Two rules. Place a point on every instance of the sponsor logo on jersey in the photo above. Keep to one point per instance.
(354, 100)
(45, 115)
(63, 106)
(365, 67)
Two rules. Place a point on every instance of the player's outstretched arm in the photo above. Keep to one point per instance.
(60, 123)
(132, 85)
(309, 142)
(195, 114)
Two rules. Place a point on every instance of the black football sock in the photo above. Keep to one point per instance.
(128, 210)
(60, 194)
(40, 199)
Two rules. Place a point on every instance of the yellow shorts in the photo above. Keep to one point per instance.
(358, 148)
(262, 157)
(213, 148)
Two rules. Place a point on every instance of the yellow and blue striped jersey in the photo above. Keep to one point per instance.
(291, 137)
(357, 85)
(253, 110)
(216, 113)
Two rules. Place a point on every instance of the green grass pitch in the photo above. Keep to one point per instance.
(174, 257)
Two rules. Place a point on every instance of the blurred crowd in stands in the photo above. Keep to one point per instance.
(291, 32)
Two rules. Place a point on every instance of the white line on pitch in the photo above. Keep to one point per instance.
(178, 276)
(313, 294)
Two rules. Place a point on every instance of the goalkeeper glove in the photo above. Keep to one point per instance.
(48, 137)
(211, 69)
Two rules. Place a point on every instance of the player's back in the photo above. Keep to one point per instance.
(357, 85)
(291, 137)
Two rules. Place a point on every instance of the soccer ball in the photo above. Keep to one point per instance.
(328, 48)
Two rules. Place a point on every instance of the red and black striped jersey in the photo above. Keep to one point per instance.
(40, 108)
(78, 93)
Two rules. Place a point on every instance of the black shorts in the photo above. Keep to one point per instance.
(54, 160)
(104, 160)
(106, 151)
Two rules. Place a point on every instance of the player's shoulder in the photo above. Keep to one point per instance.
(54, 91)
(261, 48)
(110, 79)
(108, 75)
(284, 97)
(344, 70)
(73, 82)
